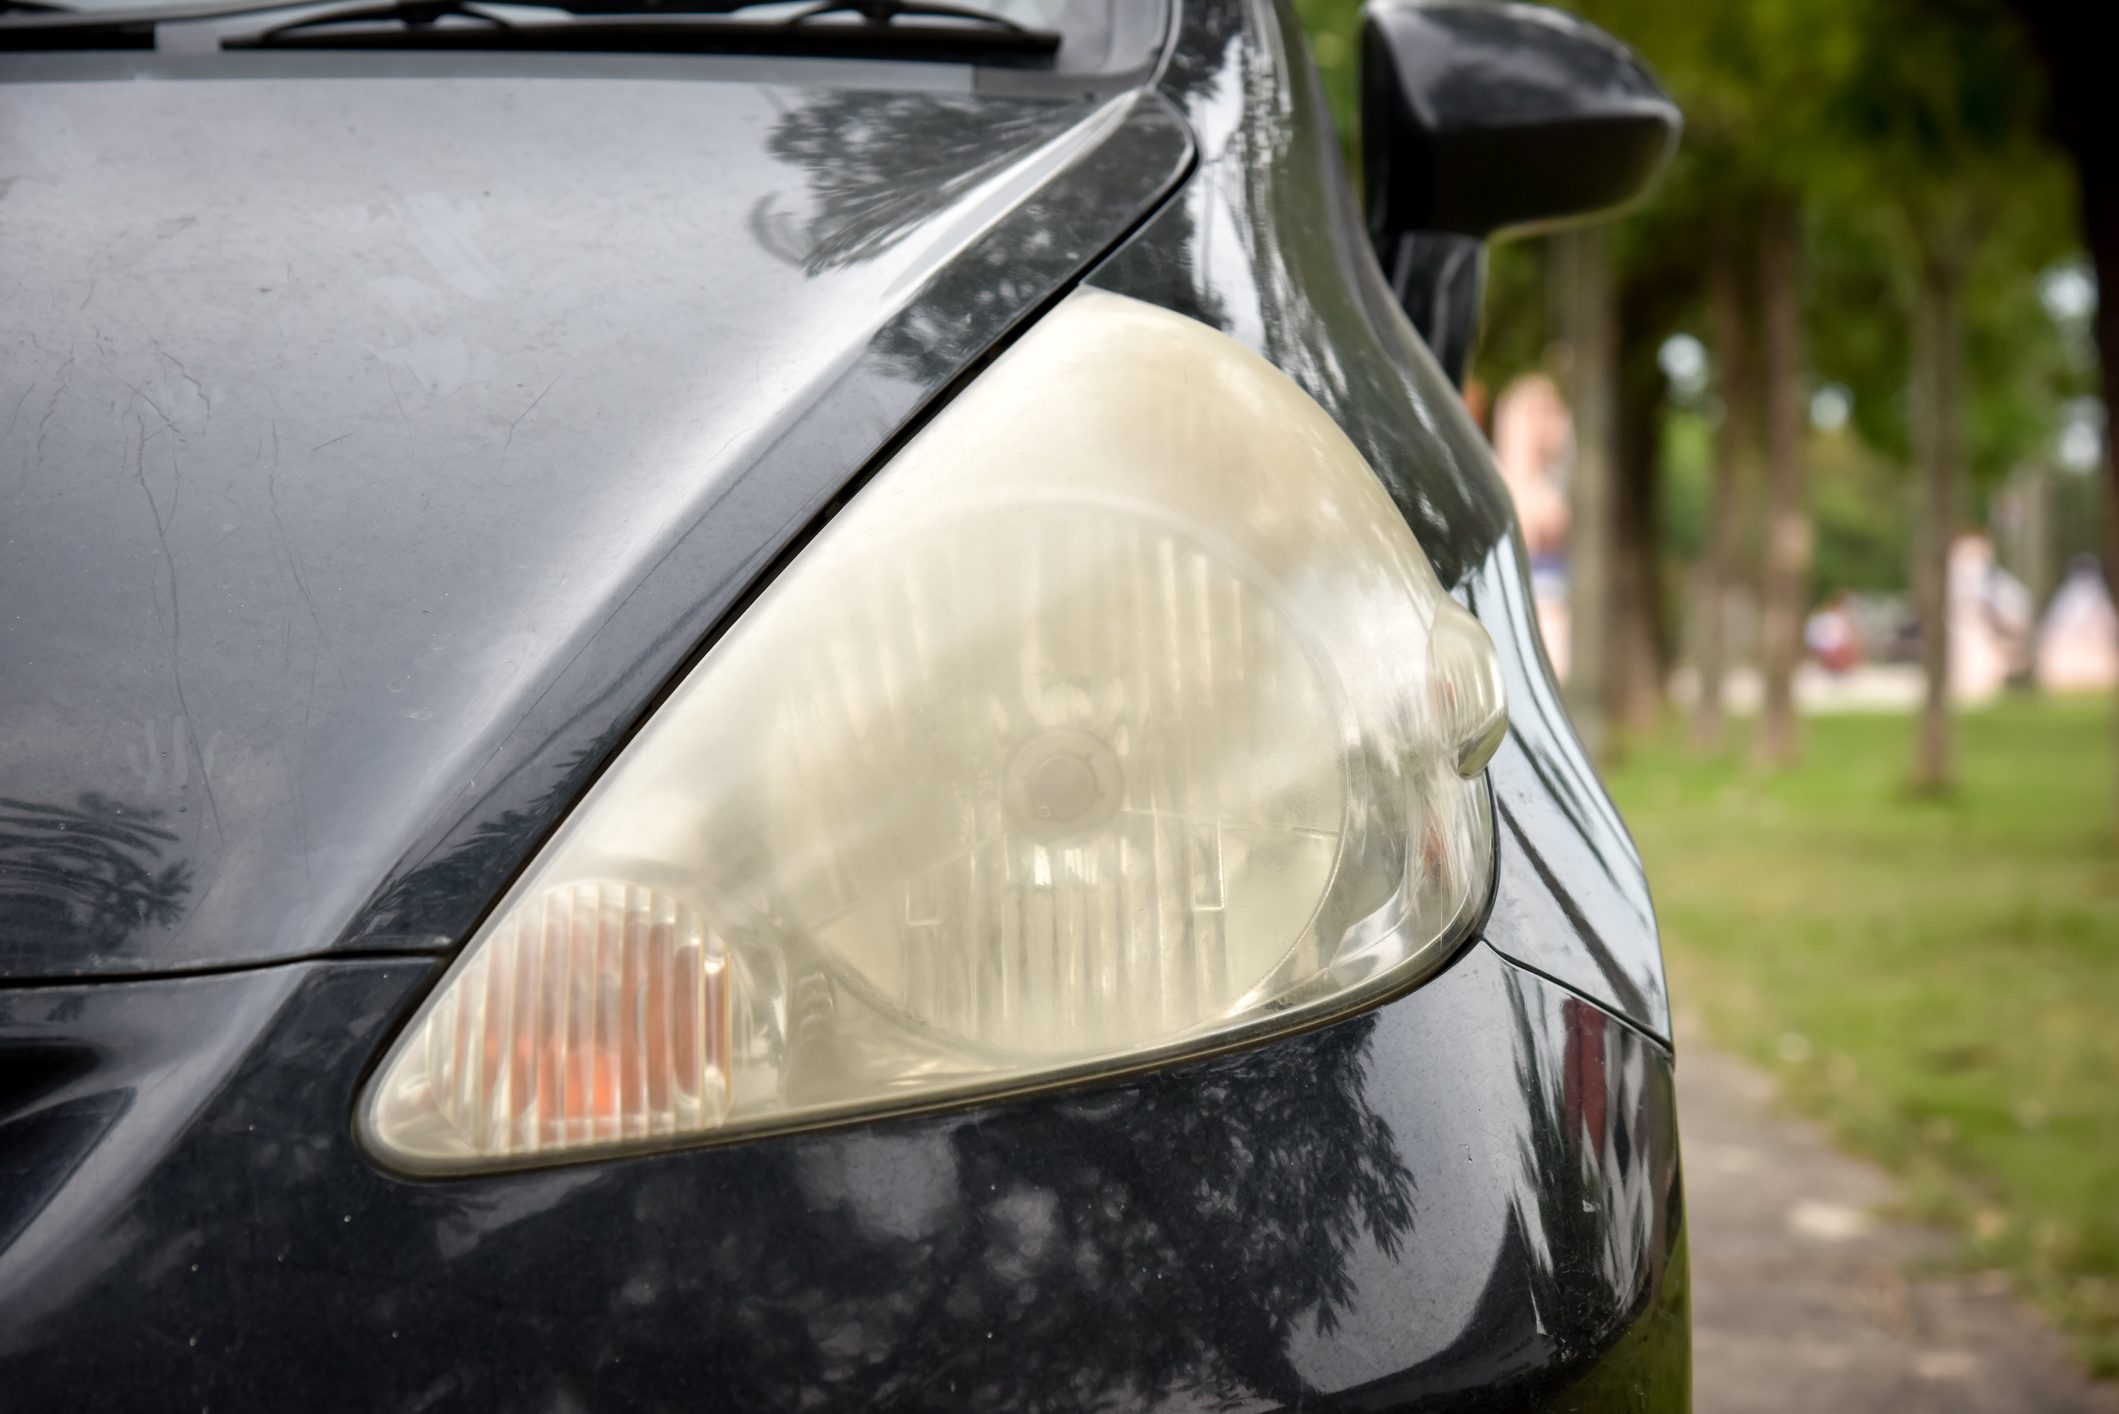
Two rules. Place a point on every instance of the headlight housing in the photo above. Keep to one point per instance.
(1120, 718)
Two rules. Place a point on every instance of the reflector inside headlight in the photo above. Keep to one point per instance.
(1120, 718)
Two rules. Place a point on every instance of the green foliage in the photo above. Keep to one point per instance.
(1861, 511)
(1907, 128)
(1859, 507)
(1861, 338)
(1930, 980)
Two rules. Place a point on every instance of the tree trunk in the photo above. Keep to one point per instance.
(1733, 376)
(1787, 577)
(2069, 36)
(1637, 581)
(2040, 572)
(1589, 326)
(2110, 356)
(1938, 367)
(2096, 149)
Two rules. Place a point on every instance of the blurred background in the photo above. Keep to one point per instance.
(1811, 463)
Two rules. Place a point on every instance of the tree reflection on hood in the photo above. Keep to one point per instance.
(1156, 1244)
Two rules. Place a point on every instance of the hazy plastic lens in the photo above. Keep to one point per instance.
(1120, 715)
(1077, 761)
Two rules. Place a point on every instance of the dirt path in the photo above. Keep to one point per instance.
(1801, 1297)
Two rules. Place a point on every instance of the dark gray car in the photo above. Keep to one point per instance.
(706, 706)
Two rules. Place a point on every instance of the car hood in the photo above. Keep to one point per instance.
(374, 449)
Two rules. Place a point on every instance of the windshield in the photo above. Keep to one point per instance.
(1067, 16)
(1101, 41)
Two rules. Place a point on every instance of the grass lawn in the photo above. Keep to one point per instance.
(1938, 982)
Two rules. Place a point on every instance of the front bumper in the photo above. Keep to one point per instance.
(1468, 1198)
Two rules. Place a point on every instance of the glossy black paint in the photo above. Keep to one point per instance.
(1484, 117)
(416, 629)
(1440, 281)
(1264, 241)
(345, 538)
(1462, 1201)
(1465, 1199)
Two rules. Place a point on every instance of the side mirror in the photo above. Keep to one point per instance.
(1481, 119)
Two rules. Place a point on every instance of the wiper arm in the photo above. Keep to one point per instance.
(882, 12)
(636, 26)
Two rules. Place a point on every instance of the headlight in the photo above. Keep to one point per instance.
(1121, 718)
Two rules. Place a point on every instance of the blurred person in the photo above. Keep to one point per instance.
(1991, 621)
(1533, 446)
(1832, 636)
(2078, 644)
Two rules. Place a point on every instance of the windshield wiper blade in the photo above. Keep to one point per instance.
(883, 12)
(636, 26)
(650, 26)
(666, 26)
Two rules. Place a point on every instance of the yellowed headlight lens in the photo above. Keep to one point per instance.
(1121, 717)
